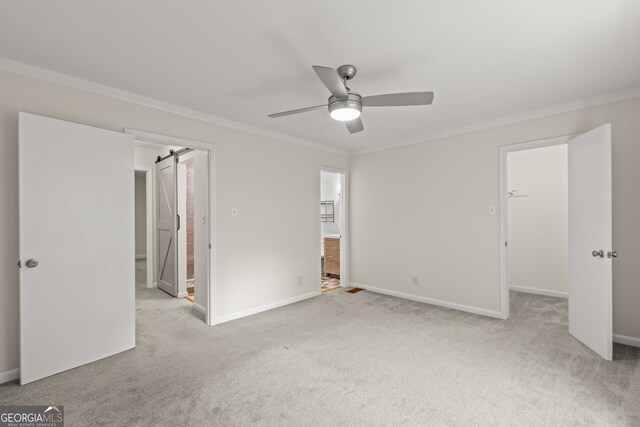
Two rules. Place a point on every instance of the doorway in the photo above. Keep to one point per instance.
(587, 228)
(190, 199)
(143, 226)
(333, 229)
(180, 196)
(534, 220)
(537, 217)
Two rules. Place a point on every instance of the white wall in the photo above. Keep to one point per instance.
(330, 190)
(422, 210)
(141, 215)
(260, 253)
(538, 227)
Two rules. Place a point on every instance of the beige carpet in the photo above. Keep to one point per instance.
(348, 359)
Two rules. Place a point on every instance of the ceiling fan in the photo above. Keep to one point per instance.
(346, 106)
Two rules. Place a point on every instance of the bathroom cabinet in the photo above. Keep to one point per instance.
(332, 257)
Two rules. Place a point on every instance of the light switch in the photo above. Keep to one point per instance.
(492, 210)
(234, 211)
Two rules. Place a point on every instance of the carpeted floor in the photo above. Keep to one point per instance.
(348, 359)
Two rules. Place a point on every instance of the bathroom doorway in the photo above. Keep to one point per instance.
(333, 209)
(186, 198)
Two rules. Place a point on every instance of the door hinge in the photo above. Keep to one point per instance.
(505, 244)
(209, 245)
(19, 264)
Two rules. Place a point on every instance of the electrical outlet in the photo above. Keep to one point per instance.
(299, 280)
(492, 210)
(415, 280)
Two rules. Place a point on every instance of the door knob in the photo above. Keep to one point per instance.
(31, 263)
(599, 253)
(613, 254)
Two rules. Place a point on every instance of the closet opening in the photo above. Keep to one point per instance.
(537, 247)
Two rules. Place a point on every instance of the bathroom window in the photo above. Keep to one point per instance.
(327, 211)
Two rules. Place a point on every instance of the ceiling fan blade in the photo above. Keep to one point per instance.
(332, 81)
(354, 125)
(299, 110)
(398, 99)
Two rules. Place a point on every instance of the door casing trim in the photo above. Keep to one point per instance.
(210, 149)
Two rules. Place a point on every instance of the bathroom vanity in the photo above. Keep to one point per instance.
(332, 256)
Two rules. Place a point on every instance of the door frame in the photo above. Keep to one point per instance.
(210, 311)
(149, 214)
(504, 211)
(344, 232)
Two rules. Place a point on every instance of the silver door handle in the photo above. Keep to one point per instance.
(599, 253)
(613, 254)
(31, 263)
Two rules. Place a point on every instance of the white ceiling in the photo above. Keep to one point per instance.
(241, 60)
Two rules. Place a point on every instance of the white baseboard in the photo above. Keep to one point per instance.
(141, 257)
(10, 375)
(432, 301)
(265, 307)
(200, 308)
(537, 291)
(623, 339)
(153, 285)
(182, 294)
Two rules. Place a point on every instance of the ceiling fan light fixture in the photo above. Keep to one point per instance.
(345, 114)
(345, 110)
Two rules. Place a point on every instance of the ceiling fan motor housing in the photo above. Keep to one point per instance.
(353, 101)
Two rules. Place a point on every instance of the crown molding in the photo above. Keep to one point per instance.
(515, 118)
(88, 86)
(100, 89)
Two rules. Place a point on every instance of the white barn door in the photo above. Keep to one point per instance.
(77, 282)
(166, 223)
(590, 241)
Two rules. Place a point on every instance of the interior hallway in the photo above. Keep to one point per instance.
(383, 361)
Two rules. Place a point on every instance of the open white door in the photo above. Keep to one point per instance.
(590, 269)
(166, 224)
(77, 283)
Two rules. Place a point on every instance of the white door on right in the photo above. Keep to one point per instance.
(590, 251)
